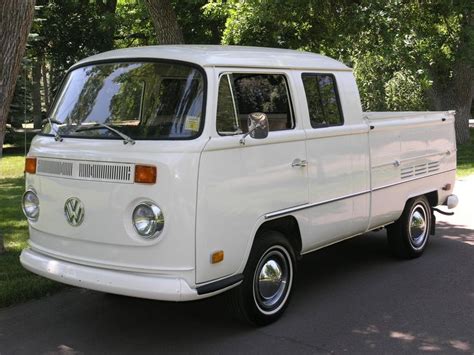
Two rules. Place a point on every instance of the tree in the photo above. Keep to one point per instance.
(432, 42)
(406, 55)
(72, 30)
(164, 19)
(15, 23)
(197, 24)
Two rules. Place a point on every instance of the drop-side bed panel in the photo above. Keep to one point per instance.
(411, 154)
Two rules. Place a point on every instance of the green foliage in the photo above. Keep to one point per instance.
(71, 30)
(134, 26)
(404, 91)
(408, 43)
(198, 25)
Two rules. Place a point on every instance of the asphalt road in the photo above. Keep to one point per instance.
(349, 298)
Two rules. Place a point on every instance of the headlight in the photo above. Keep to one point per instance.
(30, 205)
(148, 220)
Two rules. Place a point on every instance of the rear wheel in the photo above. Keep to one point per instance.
(409, 235)
(268, 278)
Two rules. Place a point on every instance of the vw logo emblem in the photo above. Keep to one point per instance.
(74, 211)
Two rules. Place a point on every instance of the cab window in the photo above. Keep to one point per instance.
(243, 93)
(323, 100)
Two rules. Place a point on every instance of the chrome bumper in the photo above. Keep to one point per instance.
(452, 201)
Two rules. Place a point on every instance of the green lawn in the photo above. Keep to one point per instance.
(16, 284)
(466, 158)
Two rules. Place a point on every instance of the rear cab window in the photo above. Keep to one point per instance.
(322, 96)
(240, 94)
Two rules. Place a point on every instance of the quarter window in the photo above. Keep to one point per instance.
(241, 94)
(323, 100)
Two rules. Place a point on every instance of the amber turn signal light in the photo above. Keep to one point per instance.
(217, 257)
(30, 165)
(145, 174)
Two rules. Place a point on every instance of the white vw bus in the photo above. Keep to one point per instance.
(179, 172)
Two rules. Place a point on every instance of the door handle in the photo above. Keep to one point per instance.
(298, 163)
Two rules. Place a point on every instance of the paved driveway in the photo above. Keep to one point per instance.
(349, 298)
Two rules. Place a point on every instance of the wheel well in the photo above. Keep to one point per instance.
(432, 198)
(289, 227)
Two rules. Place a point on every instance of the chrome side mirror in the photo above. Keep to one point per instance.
(257, 126)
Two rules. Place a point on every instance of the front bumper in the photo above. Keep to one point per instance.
(111, 281)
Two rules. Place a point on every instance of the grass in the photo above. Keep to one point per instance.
(466, 157)
(16, 284)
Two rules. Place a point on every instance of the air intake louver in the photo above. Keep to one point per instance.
(433, 166)
(85, 170)
(110, 172)
(54, 167)
(406, 172)
(419, 169)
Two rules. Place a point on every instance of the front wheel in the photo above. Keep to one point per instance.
(409, 235)
(268, 278)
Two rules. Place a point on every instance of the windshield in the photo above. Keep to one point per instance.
(142, 100)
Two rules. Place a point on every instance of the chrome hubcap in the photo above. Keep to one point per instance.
(418, 226)
(272, 280)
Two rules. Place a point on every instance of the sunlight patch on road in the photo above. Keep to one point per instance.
(469, 240)
(402, 336)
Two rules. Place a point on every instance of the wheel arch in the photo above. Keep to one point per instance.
(432, 198)
(288, 226)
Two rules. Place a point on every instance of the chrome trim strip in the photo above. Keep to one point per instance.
(310, 205)
(401, 161)
(404, 181)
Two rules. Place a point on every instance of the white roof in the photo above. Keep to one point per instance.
(223, 56)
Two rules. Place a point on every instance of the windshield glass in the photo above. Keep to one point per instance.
(142, 100)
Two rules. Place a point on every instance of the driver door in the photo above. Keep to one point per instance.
(239, 184)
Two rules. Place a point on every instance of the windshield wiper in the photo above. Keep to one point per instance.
(97, 125)
(57, 136)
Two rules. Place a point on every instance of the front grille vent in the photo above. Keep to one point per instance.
(54, 167)
(110, 172)
(86, 170)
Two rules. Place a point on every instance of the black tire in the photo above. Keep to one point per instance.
(408, 237)
(261, 300)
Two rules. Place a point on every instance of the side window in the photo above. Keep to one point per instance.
(323, 100)
(241, 94)
(227, 120)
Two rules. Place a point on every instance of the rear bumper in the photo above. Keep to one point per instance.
(452, 201)
(119, 282)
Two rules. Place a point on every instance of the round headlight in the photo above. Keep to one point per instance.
(148, 220)
(30, 205)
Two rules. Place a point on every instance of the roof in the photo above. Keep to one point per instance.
(222, 56)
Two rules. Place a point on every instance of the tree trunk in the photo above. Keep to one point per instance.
(456, 94)
(15, 23)
(36, 92)
(164, 20)
(44, 73)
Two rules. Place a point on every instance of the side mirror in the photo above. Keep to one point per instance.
(257, 126)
